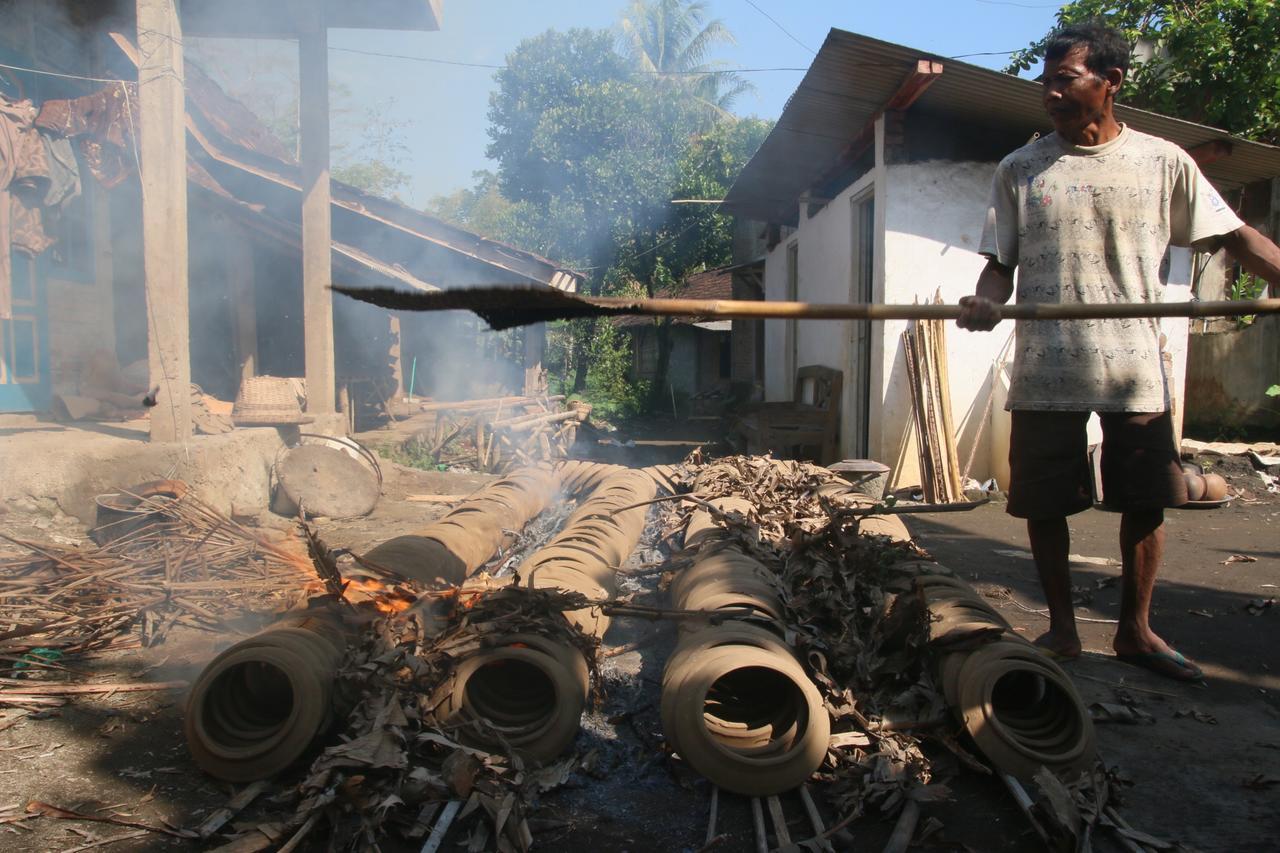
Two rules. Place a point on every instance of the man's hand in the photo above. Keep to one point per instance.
(978, 314)
(981, 312)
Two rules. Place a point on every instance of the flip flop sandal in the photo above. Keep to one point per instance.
(1171, 665)
(1056, 657)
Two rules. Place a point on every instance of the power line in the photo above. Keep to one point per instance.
(985, 53)
(773, 21)
(434, 60)
(418, 58)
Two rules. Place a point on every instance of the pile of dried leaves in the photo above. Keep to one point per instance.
(397, 770)
(837, 589)
(187, 564)
(866, 647)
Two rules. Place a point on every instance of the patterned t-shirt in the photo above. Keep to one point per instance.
(1093, 224)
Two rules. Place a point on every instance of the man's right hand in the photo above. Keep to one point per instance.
(978, 314)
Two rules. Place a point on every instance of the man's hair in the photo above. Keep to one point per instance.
(1107, 47)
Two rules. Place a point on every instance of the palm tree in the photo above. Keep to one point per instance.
(671, 39)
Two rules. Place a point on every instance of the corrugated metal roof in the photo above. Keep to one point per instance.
(853, 76)
(255, 167)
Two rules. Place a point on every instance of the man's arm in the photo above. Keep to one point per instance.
(981, 312)
(1255, 253)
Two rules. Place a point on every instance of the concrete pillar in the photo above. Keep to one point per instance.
(317, 300)
(162, 150)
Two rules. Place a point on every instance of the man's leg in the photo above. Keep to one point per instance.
(1141, 547)
(1142, 474)
(1049, 480)
(1050, 545)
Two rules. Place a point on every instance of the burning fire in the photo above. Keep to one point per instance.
(385, 597)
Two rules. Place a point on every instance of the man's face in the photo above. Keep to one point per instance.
(1074, 96)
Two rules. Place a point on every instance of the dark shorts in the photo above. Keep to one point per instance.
(1049, 463)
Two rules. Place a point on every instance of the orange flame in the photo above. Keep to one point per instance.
(386, 598)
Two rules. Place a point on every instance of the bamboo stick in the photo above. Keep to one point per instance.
(749, 309)
(487, 403)
(520, 305)
(529, 421)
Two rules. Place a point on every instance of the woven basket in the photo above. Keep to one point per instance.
(268, 401)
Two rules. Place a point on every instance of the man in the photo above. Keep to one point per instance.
(1086, 214)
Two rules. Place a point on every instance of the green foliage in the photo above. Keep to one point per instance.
(611, 393)
(1273, 391)
(543, 74)
(1211, 61)
(1247, 286)
(411, 454)
(671, 39)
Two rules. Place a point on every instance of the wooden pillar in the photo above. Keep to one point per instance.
(317, 300)
(396, 356)
(238, 255)
(535, 345)
(162, 150)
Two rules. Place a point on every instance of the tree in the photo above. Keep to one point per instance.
(1215, 62)
(671, 39)
(542, 74)
(591, 153)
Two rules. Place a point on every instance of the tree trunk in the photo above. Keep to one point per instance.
(582, 350)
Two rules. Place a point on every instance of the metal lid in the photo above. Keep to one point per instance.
(327, 481)
(858, 466)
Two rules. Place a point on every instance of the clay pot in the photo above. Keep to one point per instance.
(1215, 487)
(1196, 486)
(260, 705)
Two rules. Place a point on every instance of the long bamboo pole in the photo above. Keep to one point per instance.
(749, 309)
(505, 307)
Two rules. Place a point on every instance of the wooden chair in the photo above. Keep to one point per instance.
(806, 428)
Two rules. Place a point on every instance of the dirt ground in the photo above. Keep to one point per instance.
(1205, 769)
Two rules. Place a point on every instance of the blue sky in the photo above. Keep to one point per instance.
(442, 108)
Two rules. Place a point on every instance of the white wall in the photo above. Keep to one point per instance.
(932, 216)
(825, 275)
(934, 213)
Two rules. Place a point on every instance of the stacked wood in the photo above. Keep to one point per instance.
(497, 433)
(925, 346)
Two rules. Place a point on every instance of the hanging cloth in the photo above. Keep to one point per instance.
(15, 118)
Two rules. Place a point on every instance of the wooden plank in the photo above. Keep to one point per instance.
(920, 78)
(711, 821)
(240, 279)
(779, 822)
(36, 689)
(234, 806)
(162, 152)
(1210, 152)
(317, 258)
(914, 84)
(436, 838)
(757, 820)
